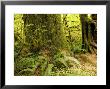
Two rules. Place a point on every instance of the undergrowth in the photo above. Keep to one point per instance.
(60, 66)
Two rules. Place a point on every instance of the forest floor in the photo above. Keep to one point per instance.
(87, 67)
(78, 65)
(88, 62)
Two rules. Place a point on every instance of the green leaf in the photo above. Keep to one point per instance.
(49, 69)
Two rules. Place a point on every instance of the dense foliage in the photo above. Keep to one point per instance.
(54, 44)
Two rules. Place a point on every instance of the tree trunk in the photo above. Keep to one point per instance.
(88, 34)
(83, 18)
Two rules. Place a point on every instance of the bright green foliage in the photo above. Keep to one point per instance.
(24, 64)
(48, 70)
(59, 60)
(46, 45)
(73, 30)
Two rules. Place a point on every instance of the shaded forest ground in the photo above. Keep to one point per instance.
(80, 65)
(87, 66)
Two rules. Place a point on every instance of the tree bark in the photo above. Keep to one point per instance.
(88, 34)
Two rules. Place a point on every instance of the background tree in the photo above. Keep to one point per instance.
(88, 32)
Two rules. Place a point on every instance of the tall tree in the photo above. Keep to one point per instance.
(84, 22)
(43, 31)
(88, 33)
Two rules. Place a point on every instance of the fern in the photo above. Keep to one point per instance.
(43, 67)
(26, 72)
(48, 70)
(59, 61)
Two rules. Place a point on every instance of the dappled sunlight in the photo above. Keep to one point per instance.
(55, 44)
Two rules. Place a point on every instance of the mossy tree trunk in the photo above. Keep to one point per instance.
(88, 34)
